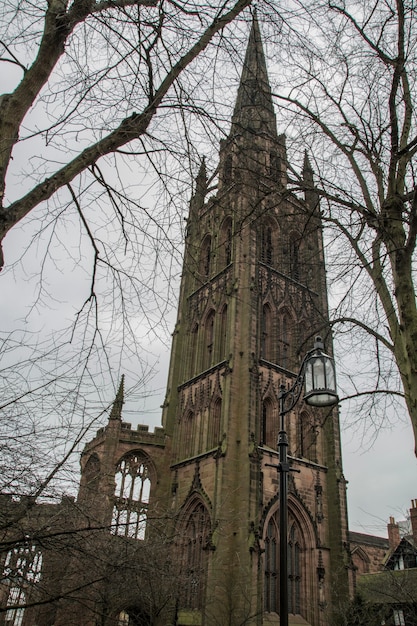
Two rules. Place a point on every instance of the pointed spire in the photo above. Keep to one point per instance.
(116, 410)
(197, 201)
(254, 110)
(310, 195)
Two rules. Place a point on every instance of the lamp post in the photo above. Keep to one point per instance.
(317, 375)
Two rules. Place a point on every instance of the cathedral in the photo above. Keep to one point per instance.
(181, 525)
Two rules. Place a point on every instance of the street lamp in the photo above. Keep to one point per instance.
(317, 376)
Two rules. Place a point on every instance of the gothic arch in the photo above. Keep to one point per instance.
(205, 260)
(302, 566)
(225, 243)
(193, 543)
(269, 422)
(213, 437)
(207, 328)
(360, 560)
(287, 338)
(222, 334)
(295, 248)
(134, 475)
(267, 334)
(268, 241)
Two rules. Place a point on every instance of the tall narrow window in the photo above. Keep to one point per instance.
(208, 341)
(269, 425)
(294, 570)
(214, 424)
(271, 567)
(187, 435)
(223, 334)
(193, 351)
(225, 243)
(205, 257)
(132, 492)
(266, 244)
(267, 337)
(195, 535)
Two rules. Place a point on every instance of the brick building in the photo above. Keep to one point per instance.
(180, 526)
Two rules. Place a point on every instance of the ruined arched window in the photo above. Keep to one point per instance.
(194, 550)
(214, 424)
(21, 571)
(267, 339)
(269, 424)
(131, 497)
(205, 257)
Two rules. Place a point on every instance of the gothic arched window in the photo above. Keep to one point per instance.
(187, 434)
(132, 492)
(297, 568)
(269, 424)
(214, 424)
(267, 348)
(22, 570)
(271, 599)
(193, 351)
(195, 537)
(223, 334)
(208, 340)
(225, 243)
(266, 244)
(205, 257)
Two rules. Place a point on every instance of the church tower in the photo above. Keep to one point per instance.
(204, 489)
(253, 297)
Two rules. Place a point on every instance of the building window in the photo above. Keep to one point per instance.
(223, 334)
(267, 335)
(269, 425)
(294, 571)
(214, 425)
(399, 617)
(194, 556)
(297, 602)
(208, 341)
(205, 257)
(22, 569)
(271, 568)
(266, 244)
(225, 241)
(133, 487)
(17, 597)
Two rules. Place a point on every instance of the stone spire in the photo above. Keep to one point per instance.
(116, 410)
(310, 195)
(254, 110)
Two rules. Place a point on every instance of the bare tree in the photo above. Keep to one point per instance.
(347, 90)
